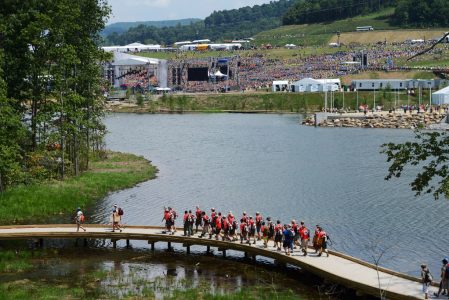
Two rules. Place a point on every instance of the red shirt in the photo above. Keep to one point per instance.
(218, 223)
(304, 232)
(198, 213)
(278, 228)
(185, 217)
(167, 215)
(322, 234)
(251, 222)
(259, 220)
(243, 227)
(205, 218)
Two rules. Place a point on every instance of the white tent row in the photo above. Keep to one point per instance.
(193, 47)
(441, 97)
(134, 47)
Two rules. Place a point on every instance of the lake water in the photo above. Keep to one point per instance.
(270, 163)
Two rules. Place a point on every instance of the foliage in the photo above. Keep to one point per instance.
(316, 11)
(121, 27)
(51, 63)
(38, 201)
(430, 152)
(228, 24)
(422, 13)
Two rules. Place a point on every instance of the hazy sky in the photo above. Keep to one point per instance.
(155, 10)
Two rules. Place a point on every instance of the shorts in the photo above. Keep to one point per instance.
(304, 244)
(217, 230)
(287, 244)
(198, 222)
(425, 287)
(258, 228)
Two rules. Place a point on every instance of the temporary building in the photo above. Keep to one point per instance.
(280, 86)
(441, 97)
(315, 85)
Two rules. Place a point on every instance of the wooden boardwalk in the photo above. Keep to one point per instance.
(345, 270)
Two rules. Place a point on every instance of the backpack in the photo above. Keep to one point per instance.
(271, 229)
(428, 276)
(82, 218)
(446, 272)
(120, 211)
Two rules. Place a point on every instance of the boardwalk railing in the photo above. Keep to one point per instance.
(348, 271)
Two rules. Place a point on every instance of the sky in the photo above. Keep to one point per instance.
(157, 10)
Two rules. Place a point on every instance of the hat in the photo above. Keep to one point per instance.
(115, 205)
(79, 208)
(445, 260)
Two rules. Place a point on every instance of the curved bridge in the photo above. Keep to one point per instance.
(340, 268)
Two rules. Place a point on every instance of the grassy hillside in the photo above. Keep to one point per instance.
(321, 33)
(390, 36)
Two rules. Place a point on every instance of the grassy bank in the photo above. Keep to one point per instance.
(266, 102)
(38, 202)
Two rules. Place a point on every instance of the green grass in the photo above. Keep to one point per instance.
(319, 34)
(271, 102)
(12, 262)
(36, 203)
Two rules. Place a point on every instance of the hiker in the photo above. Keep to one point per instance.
(226, 228)
(244, 217)
(206, 224)
(218, 226)
(213, 216)
(243, 231)
(190, 222)
(278, 235)
(265, 233)
(287, 244)
(322, 241)
(296, 234)
(166, 219)
(198, 219)
(271, 230)
(116, 218)
(233, 230)
(426, 278)
(259, 220)
(251, 230)
(443, 287)
(305, 237)
(79, 219)
(173, 216)
(184, 218)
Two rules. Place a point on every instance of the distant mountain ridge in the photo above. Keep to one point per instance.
(121, 27)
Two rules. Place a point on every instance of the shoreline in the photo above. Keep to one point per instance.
(41, 202)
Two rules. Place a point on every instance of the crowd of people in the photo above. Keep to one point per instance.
(256, 71)
(248, 230)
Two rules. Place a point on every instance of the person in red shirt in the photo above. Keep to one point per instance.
(225, 228)
(206, 224)
(305, 237)
(315, 240)
(251, 230)
(166, 218)
(259, 220)
(218, 225)
(245, 217)
(265, 233)
(296, 233)
(243, 231)
(186, 225)
(322, 237)
(190, 221)
(198, 219)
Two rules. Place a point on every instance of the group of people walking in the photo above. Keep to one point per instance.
(248, 229)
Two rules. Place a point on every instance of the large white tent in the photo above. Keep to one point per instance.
(315, 85)
(134, 47)
(441, 97)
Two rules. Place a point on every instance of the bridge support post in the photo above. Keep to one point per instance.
(127, 244)
(188, 249)
(152, 246)
(41, 243)
(169, 245)
(224, 253)
(114, 244)
(254, 258)
(246, 255)
(85, 242)
(207, 249)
